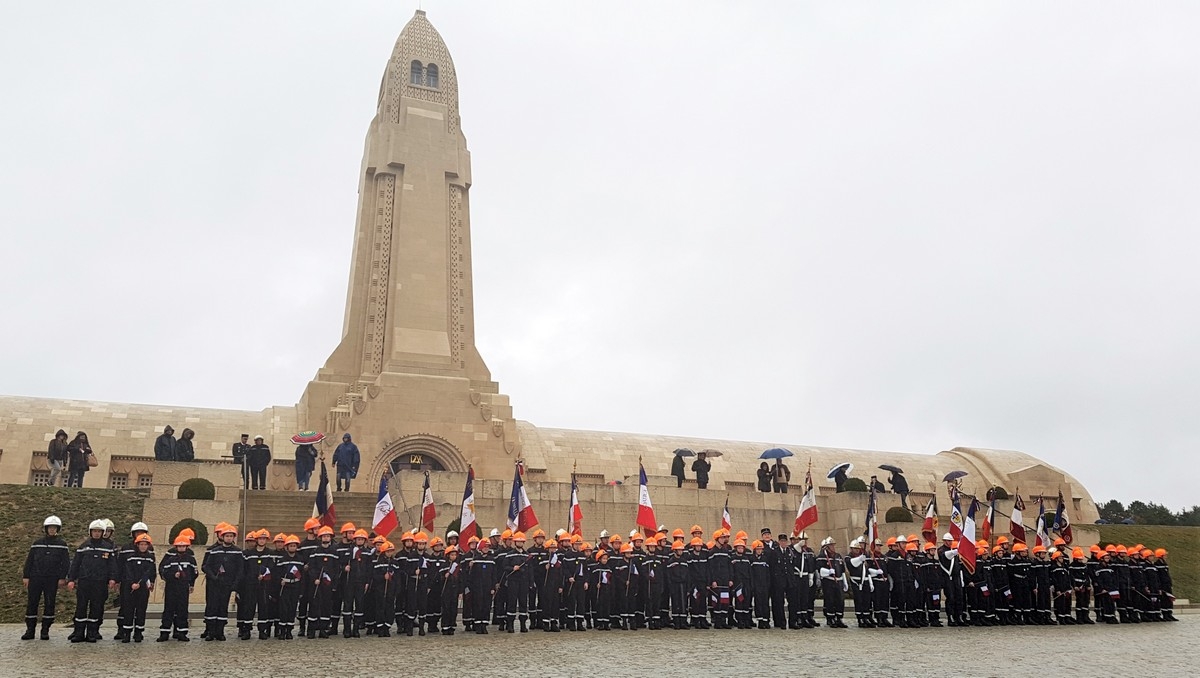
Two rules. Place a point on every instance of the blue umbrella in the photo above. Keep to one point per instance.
(775, 453)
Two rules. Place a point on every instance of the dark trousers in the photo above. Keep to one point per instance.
(781, 488)
(216, 605)
(516, 600)
(305, 598)
(879, 600)
(175, 609)
(133, 608)
(862, 600)
(449, 607)
(75, 477)
(320, 608)
(248, 604)
(678, 594)
(699, 604)
(576, 601)
(289, 597)
(354, 597)
(258, 477)
(89, 606)
(778, 595)
(43, 590)
(762, 604)
(833, 600)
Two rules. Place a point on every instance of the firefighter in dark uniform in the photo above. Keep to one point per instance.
(381, 603)
(743, 590)
(1106, 589)
(698, 582)
(1149, 604)
(552, 573)
(860, 583)
(178, 572)
(900, 573)
(881, 585)
(46, 567)
(407, 566)
(482, 580)
(126, 550)
(1166, 603)
(1039, 571)
(933, 581)
(979, 594)
(575, 588)
(760, 583)
(832, 570)
(435, 557)
(288, 575)
(451, 576)
(916, 594)
(359, 567)
(138, 576)
(516, 573)
(223, 567)
(1060, 583)
(93, 571)
(678, 585)
(255, 586)
(720, 576)
(806, 581)
(307, 546)
(342, 546)
(954, 580)
(603, 585)
(324, 567)
(538, 553)
(1121, 569)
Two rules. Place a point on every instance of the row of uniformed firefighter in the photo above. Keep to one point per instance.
(369, 585)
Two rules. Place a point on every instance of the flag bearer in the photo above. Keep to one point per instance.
(323, 569)
(452, 580)
(288, 575)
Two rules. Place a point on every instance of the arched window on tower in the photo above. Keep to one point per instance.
(431, 76)
(416, 74)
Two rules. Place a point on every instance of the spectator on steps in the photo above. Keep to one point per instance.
(781, 476)
(306, 462)
(77, 459)
(183, 447)
(764, 477)
(239, 457)
(164, 446)
(345, 460)
(259, 458)
(701, 467)
(677, 470)
(57, 456)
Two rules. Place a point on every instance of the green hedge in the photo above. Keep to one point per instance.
(854, 485)
(898, 514)
(196, 488)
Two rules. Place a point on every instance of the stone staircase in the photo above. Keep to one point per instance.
(282, 511)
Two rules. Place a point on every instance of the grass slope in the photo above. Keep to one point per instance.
(1181, 543)
(22, 510)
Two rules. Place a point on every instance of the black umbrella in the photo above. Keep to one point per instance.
(953, 475)
(684, 452)
(711, 453)
(891, 469)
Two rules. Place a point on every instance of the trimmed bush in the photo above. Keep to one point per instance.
(898, 514)
(454, 525)
(197, 527)
(854, 485)
(998, 492)
(196, 488)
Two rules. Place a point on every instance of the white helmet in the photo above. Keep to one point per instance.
(901, 538)
(604, 534)
(52, 520)
(96, 525)
(803, 535)
(857, 543)
(827, 541)
(634, 533)
(947, 537)
(559, 533)
(139, 527)
(109, 526)
(451, 533)
(494, 533)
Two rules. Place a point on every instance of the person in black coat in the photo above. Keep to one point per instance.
(178, 571)
(701, 467)
(138, 575)
(677, 470)
(46, 567)
(781, 475)
(93, 571)
(184, 451)
(259, 458)
(899, 486)
(482, 579)
(164, 445)
(77, 459)
(306, 463)
(764, 477)
(56, 455)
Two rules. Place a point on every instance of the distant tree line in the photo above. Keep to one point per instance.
(1147, 513)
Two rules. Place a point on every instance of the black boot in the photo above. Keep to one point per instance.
(311, 633)
(137, 636)
(46, 630)
(383, 632)
(30, 630)
(163, 636)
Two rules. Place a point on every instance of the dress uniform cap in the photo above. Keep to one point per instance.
(765, 530)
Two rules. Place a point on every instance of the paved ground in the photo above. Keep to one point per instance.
(1143, 650)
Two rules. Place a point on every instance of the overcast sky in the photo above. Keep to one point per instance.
(893, 226)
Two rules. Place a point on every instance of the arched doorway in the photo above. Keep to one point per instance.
(417, 453)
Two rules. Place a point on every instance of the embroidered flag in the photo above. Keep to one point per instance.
(989, 521)
(323, 506)
(1043, 536)
(726, 520)
(872, 530)
(645, 514)
(806, 515)
(428, 512)
(575, 515)
(1016, 526)
(930, 527)
(467, 526)
(520, 511)
(1062, 524)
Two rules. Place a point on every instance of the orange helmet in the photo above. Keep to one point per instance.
(997, 549)
(891, 541)
(1056, 555)
(981, 551)
(697, 530)
(981, 543)
(1146, 553)
(312, 524)
(451, 549)
(912, 538)
(696, 541)
(1059, 541)
(1160, 553)
(421, 538)
(181, 540)
(627, 548)
(143, 537)
(740, 534)
(910, 546)
(551, 544)
(677, 546)
(506, 534)
(379, 539)
(518, 536)
(1001, 540)
(587, 546)
(325, 530)
(739, 542)
(281, 537)
(291, 539)
(928, 546)
(1077, 553)
(473, 540)
(678, 533)
(436, 541)
(616, 539)
(407, 536)
(387, 547)
(539, 533)
(756, 544)
(1039, 549)
(600, 554)
(1111, 548)
(361, 534)
(188, 534)
(348, 527)
(1020, 547)
(651, 541)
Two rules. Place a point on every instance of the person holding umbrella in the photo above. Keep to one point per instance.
(897, 482)
(781, 475)
(701, 467)
(677, 466)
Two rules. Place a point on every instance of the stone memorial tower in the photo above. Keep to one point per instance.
(407, 380)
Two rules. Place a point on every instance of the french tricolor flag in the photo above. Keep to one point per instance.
(520, 511)
(385, 519)
(645, 514)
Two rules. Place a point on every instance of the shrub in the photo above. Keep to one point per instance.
(854, 485)
(454, 525)
(196, 488)
(197, 527)
(898, 514)
(998, 492)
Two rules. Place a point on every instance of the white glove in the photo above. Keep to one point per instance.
(874, 572)
(826, 572)
(845, 587)
(811, 579)
(952, 553)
